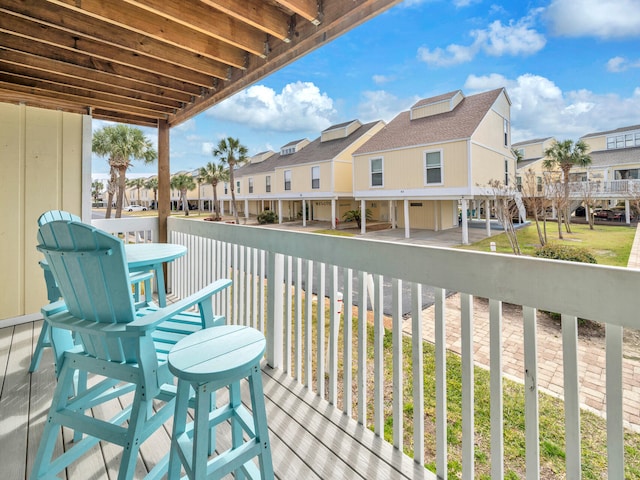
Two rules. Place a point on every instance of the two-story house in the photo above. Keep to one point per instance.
(434, 158)
(307, 180)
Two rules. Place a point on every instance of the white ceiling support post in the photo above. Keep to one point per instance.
(279, 211)
(465, 226)
(304, 212)
(487, 214)
(363, 217)
(246, 208)
(334, 219)
(627, 213)
(407, 226)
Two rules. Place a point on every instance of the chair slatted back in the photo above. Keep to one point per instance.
(53, 215)
(90, 268)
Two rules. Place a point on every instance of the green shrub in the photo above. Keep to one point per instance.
(268, 216)
(565, 252)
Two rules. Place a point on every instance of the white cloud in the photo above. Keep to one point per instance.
(381, 79)
(515, 38)
(595, 18)
(540, 108)
(382, 105)
(620, 64)
(207, 148)
(300, 106)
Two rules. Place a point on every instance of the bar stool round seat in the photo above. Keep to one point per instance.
(207, 361)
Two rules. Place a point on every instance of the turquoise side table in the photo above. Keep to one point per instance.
(207, 361)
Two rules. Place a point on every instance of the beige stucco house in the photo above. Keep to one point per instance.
(430, 161)
(306, 180)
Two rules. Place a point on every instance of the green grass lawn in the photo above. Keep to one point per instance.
(611, 245)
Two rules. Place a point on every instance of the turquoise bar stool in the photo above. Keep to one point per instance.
(207, 361)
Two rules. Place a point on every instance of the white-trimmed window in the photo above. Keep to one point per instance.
(506, 172)
(505, 124)
(238, 187)
(287, 179)
(376, 167)
(226, 188)
(251, 185)
(433, 167)
(625, 140)
(315, 177)
(267, 185)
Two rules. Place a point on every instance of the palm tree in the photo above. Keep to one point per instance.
(213, 173)
(355, 216)
(152, 184)
(183, 182)
(136, 183)
(122, 144)
(97, 187)
(565, 155)
(231, 153)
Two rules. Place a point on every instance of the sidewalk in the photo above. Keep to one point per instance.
(591, 352)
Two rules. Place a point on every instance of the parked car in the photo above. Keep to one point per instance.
(136, 208)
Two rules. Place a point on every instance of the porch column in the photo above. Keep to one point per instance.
(304, 212)
(436, 215)
(333, 213)
(487, 214)
(279, 211)
(363, 217)
(164, 180)
(407, 226)
(465, 227)
(221, 206)
(246, 208)
(627, 212)
(262, 205)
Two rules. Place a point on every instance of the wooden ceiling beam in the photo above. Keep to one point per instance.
(77, 95)
(154, 26)
(40, 75)
(307, 9)
(209, 22)
(31, 31)
(9, 95)
(119, 117)
(117, 71)
(258, 14)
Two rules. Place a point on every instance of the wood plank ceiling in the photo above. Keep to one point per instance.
(144, 61)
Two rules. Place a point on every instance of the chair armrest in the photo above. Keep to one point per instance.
(149, 322)
(53, 308)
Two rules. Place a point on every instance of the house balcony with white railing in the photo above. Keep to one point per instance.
(597, 189)
(345, 385)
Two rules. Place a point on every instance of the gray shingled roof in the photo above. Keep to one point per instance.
(436, 99)
(527, 142)
(617, 130)
(460, 123)
(618, 156)
(316, 151)
(527, 162)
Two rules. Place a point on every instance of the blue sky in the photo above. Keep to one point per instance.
(570, 67)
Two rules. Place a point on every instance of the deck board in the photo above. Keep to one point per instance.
(310, 438)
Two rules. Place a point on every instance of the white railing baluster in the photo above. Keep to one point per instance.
(531, 409)
(248, 287)
(495, 380)
(378, 357)
(441, 381)
(571, 395)
(615, 429)
(417, 367)
(308, 327)
(347, 337)
(256, 285)
(236, 282)
(288, 314)
(468, 431)
(398, 374)
(262, 280)
(362, 348)
(241, 285)
(275, 263)
(320, 347)
(334, 330)
(298, 321)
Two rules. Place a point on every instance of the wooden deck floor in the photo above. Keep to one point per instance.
(310, 438)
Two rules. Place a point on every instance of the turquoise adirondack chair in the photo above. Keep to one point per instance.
(126, 347)
(53, 292)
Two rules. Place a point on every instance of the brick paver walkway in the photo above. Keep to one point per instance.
(591, 352)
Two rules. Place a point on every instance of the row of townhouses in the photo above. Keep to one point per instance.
(428, 168)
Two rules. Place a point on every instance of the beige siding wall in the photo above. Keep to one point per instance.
(41, 152)
(404, 169)
(490, 133)
(596, 143)
(343, 177)
(428, 110)
(489, 165)
(428, 214)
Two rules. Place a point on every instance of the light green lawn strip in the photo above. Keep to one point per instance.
(611, 245)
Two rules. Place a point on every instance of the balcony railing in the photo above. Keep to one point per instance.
(624, 189)
(273, 269)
